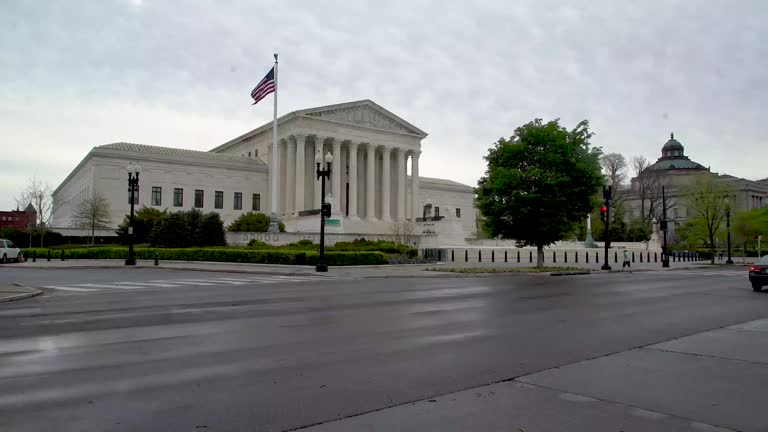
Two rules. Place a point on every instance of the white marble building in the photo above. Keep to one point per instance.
(371, 184)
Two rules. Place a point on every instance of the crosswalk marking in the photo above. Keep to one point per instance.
(181, 283)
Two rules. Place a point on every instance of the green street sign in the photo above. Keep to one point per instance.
(332, 222)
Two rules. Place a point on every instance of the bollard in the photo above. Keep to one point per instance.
(565, 257)
(466, 255)
(641, 257)
(530, 256)
(586, 255)
(674, 257)
(554, 257)
(493, 256)
(156, 260)
(49, 255)
(505, 256)
(451, 255)
(62, 254)
(479, 255)
(633, 257)
(518, 256)
(577, 257)
(615, 257)
(597, 257)
(655, 257)
(34, 256)
(648, 257)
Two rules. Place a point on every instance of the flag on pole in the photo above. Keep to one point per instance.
(264, 87)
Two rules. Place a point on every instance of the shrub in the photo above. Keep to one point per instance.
(188, 229)
(144, 220)
(253, 222)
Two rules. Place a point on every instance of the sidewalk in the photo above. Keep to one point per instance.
(10, 292)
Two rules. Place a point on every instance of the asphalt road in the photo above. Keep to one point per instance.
(159, 350)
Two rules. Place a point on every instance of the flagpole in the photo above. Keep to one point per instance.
(273, 224)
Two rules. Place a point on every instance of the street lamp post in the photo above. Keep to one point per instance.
(728, 227)
(664, 224)
(325, 208)
(607, 189)
(133, 189)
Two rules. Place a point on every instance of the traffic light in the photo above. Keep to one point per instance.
(603, 213)
(326, 210)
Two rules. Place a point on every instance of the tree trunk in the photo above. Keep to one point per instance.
(712, 247)
(93, 235)
(42, 233)
(539, 256)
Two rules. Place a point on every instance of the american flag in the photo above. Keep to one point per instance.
(264, 87)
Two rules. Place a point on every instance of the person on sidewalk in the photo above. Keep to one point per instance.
(626, 262)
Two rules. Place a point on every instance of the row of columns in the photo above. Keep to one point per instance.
(292, 194)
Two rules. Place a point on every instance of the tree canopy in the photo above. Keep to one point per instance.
(707, 199)
(253, 222)
(539, 184)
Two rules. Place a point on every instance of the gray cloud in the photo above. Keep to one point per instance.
(78, 74)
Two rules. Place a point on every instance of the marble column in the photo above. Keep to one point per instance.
(370, 182)
(386, 213)
(290, 176)
(414, 184)
(300, 172)
(400, 180)
(352, 203)
(317, 191)
(336, 173)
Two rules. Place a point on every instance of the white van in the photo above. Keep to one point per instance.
(8, 251)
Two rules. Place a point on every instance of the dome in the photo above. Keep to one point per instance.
(672, 143)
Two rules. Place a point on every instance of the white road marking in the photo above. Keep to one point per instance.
(180, 283)
(69, 288)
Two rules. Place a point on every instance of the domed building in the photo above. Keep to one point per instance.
(675, 171)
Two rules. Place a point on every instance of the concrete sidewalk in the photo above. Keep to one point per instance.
(10, 292)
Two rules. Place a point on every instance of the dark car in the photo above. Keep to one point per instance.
(758, 274)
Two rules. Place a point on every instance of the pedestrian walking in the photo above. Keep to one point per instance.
(626, 262)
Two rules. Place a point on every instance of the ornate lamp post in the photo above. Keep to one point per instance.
(664, 225)
(325, 208)
(728, 226)
(607, 190)
(133, 188)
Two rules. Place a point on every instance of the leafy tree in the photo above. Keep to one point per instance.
(253, 222)
(92, 213)
(747, 224)
(539, 183)
(189, 228)
(708, 199)
(143, 221)
(212, 230)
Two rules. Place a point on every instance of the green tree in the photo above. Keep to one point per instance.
(539, 184)
(92, 213)
(707, 199)
(212, 230)
(143, 221)
(747, 224)
(253, 222)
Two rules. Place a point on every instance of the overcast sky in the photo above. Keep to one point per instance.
(77, 74)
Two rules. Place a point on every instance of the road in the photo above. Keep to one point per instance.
(161, 350)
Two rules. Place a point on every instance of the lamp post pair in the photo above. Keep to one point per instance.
(325, 208)
(133, 188)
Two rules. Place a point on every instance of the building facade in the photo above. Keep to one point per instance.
(374, 178)
(675, 172)
(19, 219)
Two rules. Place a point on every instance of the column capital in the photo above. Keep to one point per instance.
(319, 138)
(415, 153)
(299, 137)
(352, 145)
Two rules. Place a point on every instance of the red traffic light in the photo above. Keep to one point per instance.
(603, 209)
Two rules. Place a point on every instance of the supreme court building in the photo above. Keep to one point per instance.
(374, 178)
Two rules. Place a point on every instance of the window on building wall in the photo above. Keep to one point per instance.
(157, 196)
(458, 213)
(178, 197)
(238, 200)
(218, 200)
(256, 153)
(437, 212)
(256, 203)
(249, 154)
(198, 198)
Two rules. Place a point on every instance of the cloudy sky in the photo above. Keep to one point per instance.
(77, 74)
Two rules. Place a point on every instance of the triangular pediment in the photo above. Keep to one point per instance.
(366, 114)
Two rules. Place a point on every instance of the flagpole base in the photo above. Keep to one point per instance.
(274, 226)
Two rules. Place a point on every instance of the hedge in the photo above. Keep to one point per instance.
(218, 255)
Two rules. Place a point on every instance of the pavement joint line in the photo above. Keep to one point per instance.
(650, 347)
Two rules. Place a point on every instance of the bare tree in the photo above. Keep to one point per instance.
(648, 189)
(615, 168)
(403, 232)
(708, 199)
(38, 193)
(92, 213)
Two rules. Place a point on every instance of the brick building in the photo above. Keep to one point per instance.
(19, 219)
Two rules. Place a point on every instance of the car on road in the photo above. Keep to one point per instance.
(8, 251)
(758, 274)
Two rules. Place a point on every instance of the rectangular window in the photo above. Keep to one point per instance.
(178, 197)
(218, 200)
(198, 198)
(256, 204)
(437, 212)
(256, 153)
(157, 196)
(458, 213)
(249, 154)
(238, 200)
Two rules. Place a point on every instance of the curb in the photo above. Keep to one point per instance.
(20, 296)
(177, 268)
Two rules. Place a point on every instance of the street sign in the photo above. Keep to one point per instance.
(332, 222)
